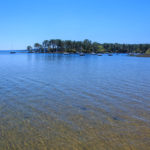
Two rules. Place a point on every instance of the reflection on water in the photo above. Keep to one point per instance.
(68, 102)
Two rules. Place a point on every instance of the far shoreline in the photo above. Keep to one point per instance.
(26, 51)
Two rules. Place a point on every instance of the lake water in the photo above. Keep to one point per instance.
(69, 102)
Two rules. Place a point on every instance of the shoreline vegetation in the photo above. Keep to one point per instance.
(87, 46)
(82, 47)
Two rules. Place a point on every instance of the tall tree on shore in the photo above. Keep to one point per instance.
(37, 47)
(87, 45)
(52, 44)
(45, 45)
(29, 48)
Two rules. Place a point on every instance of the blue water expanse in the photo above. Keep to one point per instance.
(56, 101)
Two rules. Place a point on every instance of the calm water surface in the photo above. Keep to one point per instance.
(58, 102)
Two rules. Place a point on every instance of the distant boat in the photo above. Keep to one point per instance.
(65, 53)
(110, 55)
(133, 54)
(12, 52)
(82, 54)
(93, 53)
(99, 54)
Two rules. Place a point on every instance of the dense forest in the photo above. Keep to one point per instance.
(86, 46)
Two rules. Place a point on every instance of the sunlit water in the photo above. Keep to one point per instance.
(69, 102)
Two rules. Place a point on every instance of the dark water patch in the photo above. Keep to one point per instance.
(117, 118)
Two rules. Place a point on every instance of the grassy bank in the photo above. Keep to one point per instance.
(143, 55)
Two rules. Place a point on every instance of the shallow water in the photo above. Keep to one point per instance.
(68, 102)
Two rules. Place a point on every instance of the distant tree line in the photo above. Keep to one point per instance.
(86, 46)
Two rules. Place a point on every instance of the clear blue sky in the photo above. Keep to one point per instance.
(24, 22)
